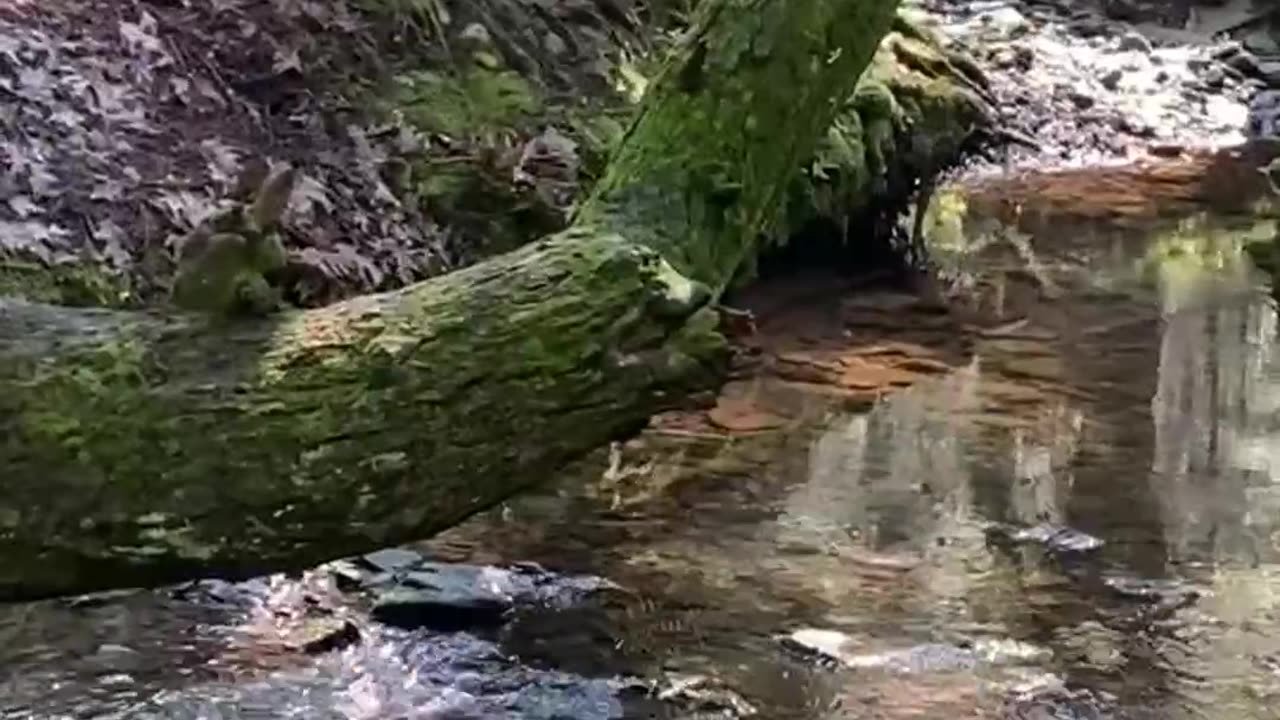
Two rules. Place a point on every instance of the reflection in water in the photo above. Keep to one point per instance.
(1211, 465)
(1154, 428)
(877, 476)
(1214, 469)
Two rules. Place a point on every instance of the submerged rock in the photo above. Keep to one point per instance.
(1057, 702)
(449, 606)
(392, 673)
(1160, 594)
(703, 696)
(1061, 539)
(827, 647)
(221, 593)
(1244, 62)
(1135, 42)
(1269, 72)
(835, 648)
(1055, 538)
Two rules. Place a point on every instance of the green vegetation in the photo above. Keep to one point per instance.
(479, 103)
(75, 284)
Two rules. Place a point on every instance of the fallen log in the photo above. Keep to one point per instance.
(146, 448)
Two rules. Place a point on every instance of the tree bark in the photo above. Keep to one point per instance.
(145, 448)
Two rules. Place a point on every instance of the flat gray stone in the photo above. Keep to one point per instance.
(446, 598)
(1269, 72)
(391, 559)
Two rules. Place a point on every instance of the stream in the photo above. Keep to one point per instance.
(1044, 490)
(1067, 511)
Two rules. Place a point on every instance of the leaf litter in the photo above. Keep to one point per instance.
(122, 124)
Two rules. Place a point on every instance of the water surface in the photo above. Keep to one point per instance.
(1116, 379)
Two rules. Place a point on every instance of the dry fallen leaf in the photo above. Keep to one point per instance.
(141, 37)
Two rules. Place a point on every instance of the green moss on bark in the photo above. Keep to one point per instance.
(915, 111)
(143, 449)
(752, 87)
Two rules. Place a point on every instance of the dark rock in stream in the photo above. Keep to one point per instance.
(1264, 115)
(222, 593)
(390, 560)
(1244, 62)
(1162, 595)
(1057, 539)
(297, 647)
(1269, 72)
(1215, 78)
(446, 601)
(411, 592)
(324, 634)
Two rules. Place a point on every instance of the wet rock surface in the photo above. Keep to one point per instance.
(833, 648)
(317, 646)
(448, 597)
(1054, 538)
(1161, 595)
(1053, 701)
(1077, 87)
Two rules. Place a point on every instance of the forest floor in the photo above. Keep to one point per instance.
(430, 134)
(425, 133)
(127, 126)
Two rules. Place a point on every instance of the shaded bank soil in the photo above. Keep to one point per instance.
(427, 134)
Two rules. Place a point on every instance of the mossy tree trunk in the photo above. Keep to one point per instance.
(140, 449)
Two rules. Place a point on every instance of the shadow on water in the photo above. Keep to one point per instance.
(1058, 500)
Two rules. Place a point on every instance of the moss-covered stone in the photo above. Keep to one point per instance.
(915, 112)
(745, 99)
(225, 265)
